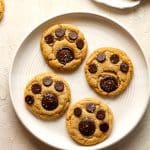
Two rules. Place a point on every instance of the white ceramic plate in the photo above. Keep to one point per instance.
(99, 31)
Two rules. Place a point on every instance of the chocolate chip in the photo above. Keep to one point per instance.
(36, 88)
(87, 127)
(73, 35)
(47, 81)
(104, 127)
(49, 101)
(114, 58)
(101, 58)
(29, 100)
(90, 107)
(109, 83)
(77, 112)
(124, 67)
(92, 68)
(49, 39)
(59, 86)
(60, 32)
(65, 55)
(80, 44)
(100, 114)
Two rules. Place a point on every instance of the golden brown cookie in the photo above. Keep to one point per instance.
(63, 47)
(108, 71)
(89, 121)
(47, 96)
(1, 8)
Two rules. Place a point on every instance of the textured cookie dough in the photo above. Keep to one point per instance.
(47, 96)
(63, 47)
(89, 121)
(108, 71)
(1, 9)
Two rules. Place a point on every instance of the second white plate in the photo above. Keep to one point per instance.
(99, 31)
(120, 4)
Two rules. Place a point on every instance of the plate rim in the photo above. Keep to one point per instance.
(105, 17)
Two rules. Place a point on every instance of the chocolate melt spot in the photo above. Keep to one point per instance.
(109, 83)
(49, 39)
(114, 58)
(47, 81)
(77, 112)
(87, 127)
(36, 88)
(73, 35)
(92, 68)
(101, 58)
(29, 100)
(124, 67)
(104, 127)
(60, 32)
(90, 107)
(49, 101)
(59, 86)
(65, 55)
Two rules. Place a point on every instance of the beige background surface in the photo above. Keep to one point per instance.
(21, 16)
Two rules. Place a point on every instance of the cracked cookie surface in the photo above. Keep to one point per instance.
(64, 47)
(89, 121)
(47, 96)
(108, 71)
(1, 9)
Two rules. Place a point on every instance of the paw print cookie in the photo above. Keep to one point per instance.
(47, 96)
(63, 47)
(1, 8)
(89, 121)
(108, 71)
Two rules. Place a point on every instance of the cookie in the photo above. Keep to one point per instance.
(47, 96)
(63, 47)
(1, 9)
(108, 71)
(89, 121)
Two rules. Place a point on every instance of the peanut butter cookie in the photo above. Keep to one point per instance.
(63, 47)
(108, 71)
(47, 96)
(89, 121)
(1, 9)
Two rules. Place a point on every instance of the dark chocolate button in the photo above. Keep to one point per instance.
(65, 55)
(59, 86)
(100, 114)
(109, 83)
(114, 58)
(47, 81)
(29, 100)
(124, 67)
(87, 127)
(77, 112)
(73, 35)
(36, 88)
(92, 68)
(60, 32)
(80, 44)
(49, 101)
(49, 39)
(101, 58)
(104, 127)
(90, 107)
